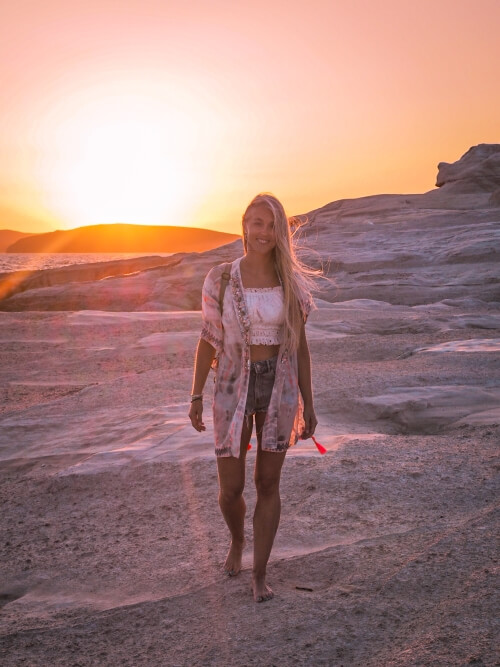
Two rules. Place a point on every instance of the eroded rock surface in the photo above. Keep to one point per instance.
(400, 249)
(478, 170)
(112, 540)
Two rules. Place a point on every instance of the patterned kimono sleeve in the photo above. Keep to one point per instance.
(212, 330)
(307, 305)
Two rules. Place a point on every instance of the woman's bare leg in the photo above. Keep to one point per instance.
(231, 472)
(267, 512)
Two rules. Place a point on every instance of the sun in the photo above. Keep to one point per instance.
(120, 160)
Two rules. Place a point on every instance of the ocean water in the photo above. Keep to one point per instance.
(27, 261)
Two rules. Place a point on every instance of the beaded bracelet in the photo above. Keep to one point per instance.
(196, 397)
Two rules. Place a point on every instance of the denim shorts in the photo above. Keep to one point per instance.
(260, 385)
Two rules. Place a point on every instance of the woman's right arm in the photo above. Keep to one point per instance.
(204, 356)
(211, 341)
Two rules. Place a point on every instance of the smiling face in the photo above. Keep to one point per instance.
(258, 225)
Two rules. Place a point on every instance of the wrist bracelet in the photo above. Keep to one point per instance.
(196, 397)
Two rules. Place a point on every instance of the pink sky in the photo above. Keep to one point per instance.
(179, 112)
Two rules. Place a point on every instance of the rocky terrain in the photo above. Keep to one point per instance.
(387, 553)
(122, 238)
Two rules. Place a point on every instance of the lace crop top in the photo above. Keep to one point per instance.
(266, 310)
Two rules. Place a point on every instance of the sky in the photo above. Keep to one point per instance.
(179, 112)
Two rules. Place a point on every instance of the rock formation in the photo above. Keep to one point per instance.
(112, 540)
(123, 238)
(400, 249)
(478, 170)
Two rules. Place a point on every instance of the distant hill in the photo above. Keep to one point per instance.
(124, 238)
(9, 236)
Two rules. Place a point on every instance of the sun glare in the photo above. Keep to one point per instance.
(117, 160)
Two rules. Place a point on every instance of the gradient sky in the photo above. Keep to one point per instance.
(159, 112)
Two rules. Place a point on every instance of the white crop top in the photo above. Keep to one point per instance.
(266, 310)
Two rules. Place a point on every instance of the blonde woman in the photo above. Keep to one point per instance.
(263, 374)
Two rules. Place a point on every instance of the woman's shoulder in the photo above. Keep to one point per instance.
(214, 276)
(215, 273)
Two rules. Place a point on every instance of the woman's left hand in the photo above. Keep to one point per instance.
(310, 422)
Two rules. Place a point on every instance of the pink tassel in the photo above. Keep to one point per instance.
(320, 447)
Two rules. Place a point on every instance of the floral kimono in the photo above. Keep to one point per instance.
(229, 335)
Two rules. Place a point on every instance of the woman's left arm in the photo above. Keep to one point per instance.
(305, 385)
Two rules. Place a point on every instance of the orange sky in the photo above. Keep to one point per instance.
(159, 112)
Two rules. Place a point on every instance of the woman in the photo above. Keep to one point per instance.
(263, 372)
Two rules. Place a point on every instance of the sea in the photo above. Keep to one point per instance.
(28, 261)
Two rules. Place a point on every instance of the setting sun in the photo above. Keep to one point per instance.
(178, 114)
(116, 159)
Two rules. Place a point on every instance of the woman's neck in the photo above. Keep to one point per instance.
(255, 263)
(259, 271)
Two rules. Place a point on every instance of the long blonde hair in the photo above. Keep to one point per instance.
(296, 278)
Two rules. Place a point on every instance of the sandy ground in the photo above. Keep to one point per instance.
(112, 541)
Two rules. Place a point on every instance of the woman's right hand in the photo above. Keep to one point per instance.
(195, 415)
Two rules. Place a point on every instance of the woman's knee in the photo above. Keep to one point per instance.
(267, 484)
(231, 474)
(231, 493)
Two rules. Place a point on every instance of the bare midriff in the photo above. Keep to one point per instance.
(263, 352)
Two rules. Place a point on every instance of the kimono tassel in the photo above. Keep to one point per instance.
(320, 447)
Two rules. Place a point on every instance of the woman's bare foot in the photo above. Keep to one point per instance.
(232, 566)
(261, 591)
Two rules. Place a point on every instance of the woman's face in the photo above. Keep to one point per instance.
(259, 228)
